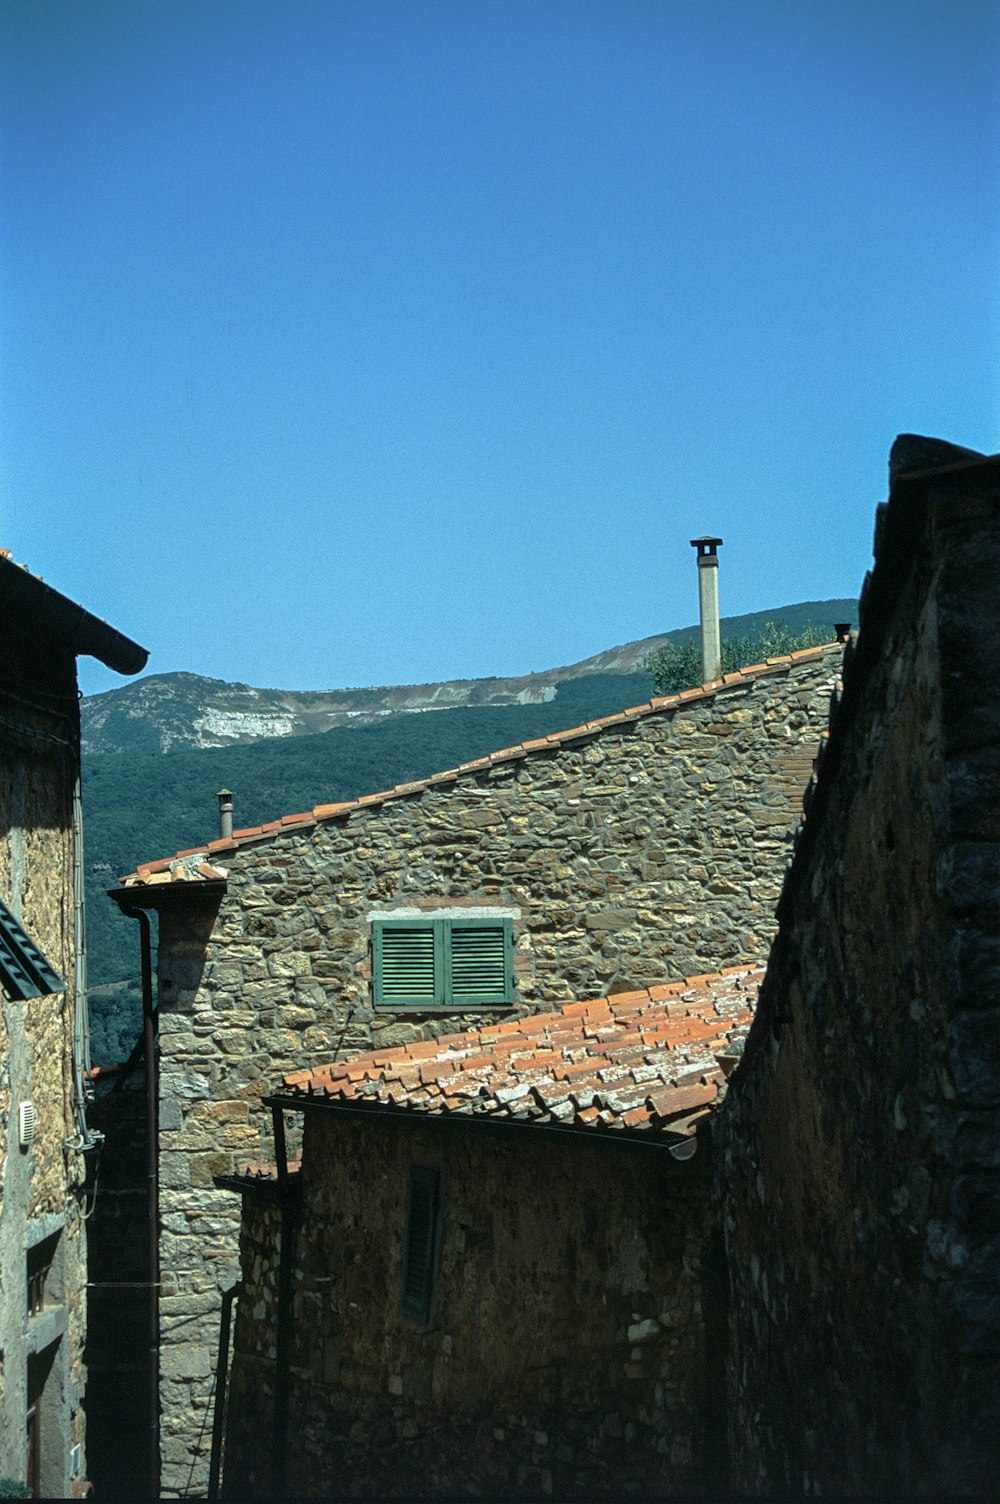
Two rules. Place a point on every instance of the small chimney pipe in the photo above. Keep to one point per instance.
(225, 814)
(708, 605)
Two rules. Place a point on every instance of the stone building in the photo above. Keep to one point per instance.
(43, 1029)
(486, 1274)
(423, 1288)
(860, 1139)
(647, 845)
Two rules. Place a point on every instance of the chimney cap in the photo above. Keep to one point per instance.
(225, 793)
(706, 546)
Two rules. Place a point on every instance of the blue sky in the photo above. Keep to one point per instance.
(361, 342)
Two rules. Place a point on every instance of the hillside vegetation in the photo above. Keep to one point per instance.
(144, 805)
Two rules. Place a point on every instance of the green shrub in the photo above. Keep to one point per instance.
(677, 666)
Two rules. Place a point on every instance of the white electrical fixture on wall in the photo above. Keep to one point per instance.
(26, 1124)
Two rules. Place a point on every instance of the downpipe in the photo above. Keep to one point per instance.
(86, 1139)
(283, 1355)
(153, 1190)
(229, 1297)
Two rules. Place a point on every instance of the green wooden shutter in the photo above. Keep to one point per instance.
(418, 1242)
(442, 963)
(479, 962)
(405, 969)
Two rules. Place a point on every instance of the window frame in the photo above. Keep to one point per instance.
(442, 928)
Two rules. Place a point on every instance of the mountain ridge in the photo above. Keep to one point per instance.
(182, 711)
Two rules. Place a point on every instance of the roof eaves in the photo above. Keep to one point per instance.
(588, 1125)
(64, 621)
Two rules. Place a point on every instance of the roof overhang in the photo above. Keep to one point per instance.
(65, 623)
(677, 1145)
(168, 895)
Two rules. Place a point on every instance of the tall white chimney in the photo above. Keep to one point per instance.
(708, 604)
(225, 814)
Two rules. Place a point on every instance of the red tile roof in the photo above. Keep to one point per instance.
(199, 864)
(641, 1061)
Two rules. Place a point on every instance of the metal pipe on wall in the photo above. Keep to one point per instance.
(221, 1369)
(86, 1139)
(153, 1190)
(283, 1344)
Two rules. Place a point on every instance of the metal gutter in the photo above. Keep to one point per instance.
(163, 895)
(679, 1146)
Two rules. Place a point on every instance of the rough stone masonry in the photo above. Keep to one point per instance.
(647, 846)
(859, 1178)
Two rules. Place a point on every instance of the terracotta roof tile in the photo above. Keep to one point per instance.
(263, 1170)
(295, 823)
(673, 1101)
(643, 1069)
(431, 1070)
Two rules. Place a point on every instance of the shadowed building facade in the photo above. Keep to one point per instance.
(44, 1138)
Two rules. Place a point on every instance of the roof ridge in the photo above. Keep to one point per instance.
(162, 868)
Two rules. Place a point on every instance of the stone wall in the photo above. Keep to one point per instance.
(650, 848)
(861, 1135)
(41, 1193)
(564, 1355)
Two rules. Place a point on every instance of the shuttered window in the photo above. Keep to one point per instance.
(419, 1239)
(24, 971)
(442, 963)
(408, 970)
(478, 961)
